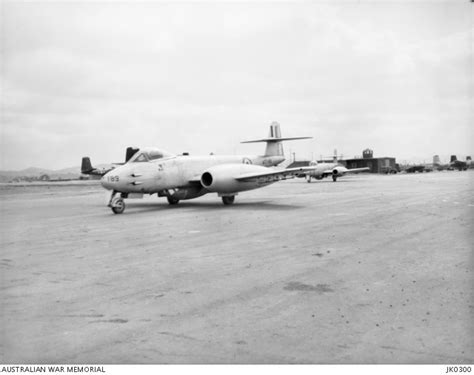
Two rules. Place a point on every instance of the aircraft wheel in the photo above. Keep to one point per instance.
(172, 200)
(334, 178)
(308, 179)
(228, 200)
(118, 206)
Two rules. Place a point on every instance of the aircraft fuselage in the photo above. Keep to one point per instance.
(321, 168)
(173, 172)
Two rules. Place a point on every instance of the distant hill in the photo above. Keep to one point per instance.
(34, 173)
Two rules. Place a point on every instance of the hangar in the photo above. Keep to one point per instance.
(383, 164)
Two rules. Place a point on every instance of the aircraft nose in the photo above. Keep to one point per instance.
(115, 179)
(109, 181)
(105, 183)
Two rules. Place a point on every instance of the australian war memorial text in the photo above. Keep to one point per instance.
(52, 369)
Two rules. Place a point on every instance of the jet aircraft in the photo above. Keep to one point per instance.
(322, 170)
(181, 177)
(334, 169)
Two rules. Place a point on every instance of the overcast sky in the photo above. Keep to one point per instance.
(93, 78)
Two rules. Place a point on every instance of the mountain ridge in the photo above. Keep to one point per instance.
(37, 173)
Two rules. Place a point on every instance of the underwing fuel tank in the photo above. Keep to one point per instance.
(222, 178)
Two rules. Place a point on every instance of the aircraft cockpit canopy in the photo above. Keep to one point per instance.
(149, 154)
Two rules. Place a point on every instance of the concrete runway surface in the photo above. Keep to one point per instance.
(371, 269)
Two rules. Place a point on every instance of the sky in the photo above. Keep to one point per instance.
(92, 78)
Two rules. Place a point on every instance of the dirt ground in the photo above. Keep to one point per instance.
(371, 269)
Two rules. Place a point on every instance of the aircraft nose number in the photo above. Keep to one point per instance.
(113, 178)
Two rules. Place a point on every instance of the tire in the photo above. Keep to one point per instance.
(118, 206)
(228, 200)
(172, 201)
(334, 178)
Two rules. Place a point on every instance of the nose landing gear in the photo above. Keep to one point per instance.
(117, 203)
(118, 206)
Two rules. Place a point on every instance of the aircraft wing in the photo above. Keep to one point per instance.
(343, 170)
(196, 179)
(275, 175)
(357, 170)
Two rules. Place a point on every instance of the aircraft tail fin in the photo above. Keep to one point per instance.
(130, 152)
(274, 146)
(86, 166)
(453, 158)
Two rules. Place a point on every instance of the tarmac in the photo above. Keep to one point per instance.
(371, 269)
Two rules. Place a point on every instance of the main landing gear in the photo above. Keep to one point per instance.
(334, 177)
(172, 200)
(229, 199)
(308, 178)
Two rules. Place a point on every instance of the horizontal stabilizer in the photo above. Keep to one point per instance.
(275, 139)
(357, 170)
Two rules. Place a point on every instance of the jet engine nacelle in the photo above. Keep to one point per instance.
(339, 171)
(222, 178)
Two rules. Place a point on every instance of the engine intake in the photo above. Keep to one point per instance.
(206, 179)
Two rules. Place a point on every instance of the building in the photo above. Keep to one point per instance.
(377, 165)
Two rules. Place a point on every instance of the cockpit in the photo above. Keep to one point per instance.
(149, 154)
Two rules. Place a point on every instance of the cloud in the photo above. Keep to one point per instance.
(94, 78)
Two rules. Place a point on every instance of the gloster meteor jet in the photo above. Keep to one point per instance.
(180, 177)
(335, 170)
